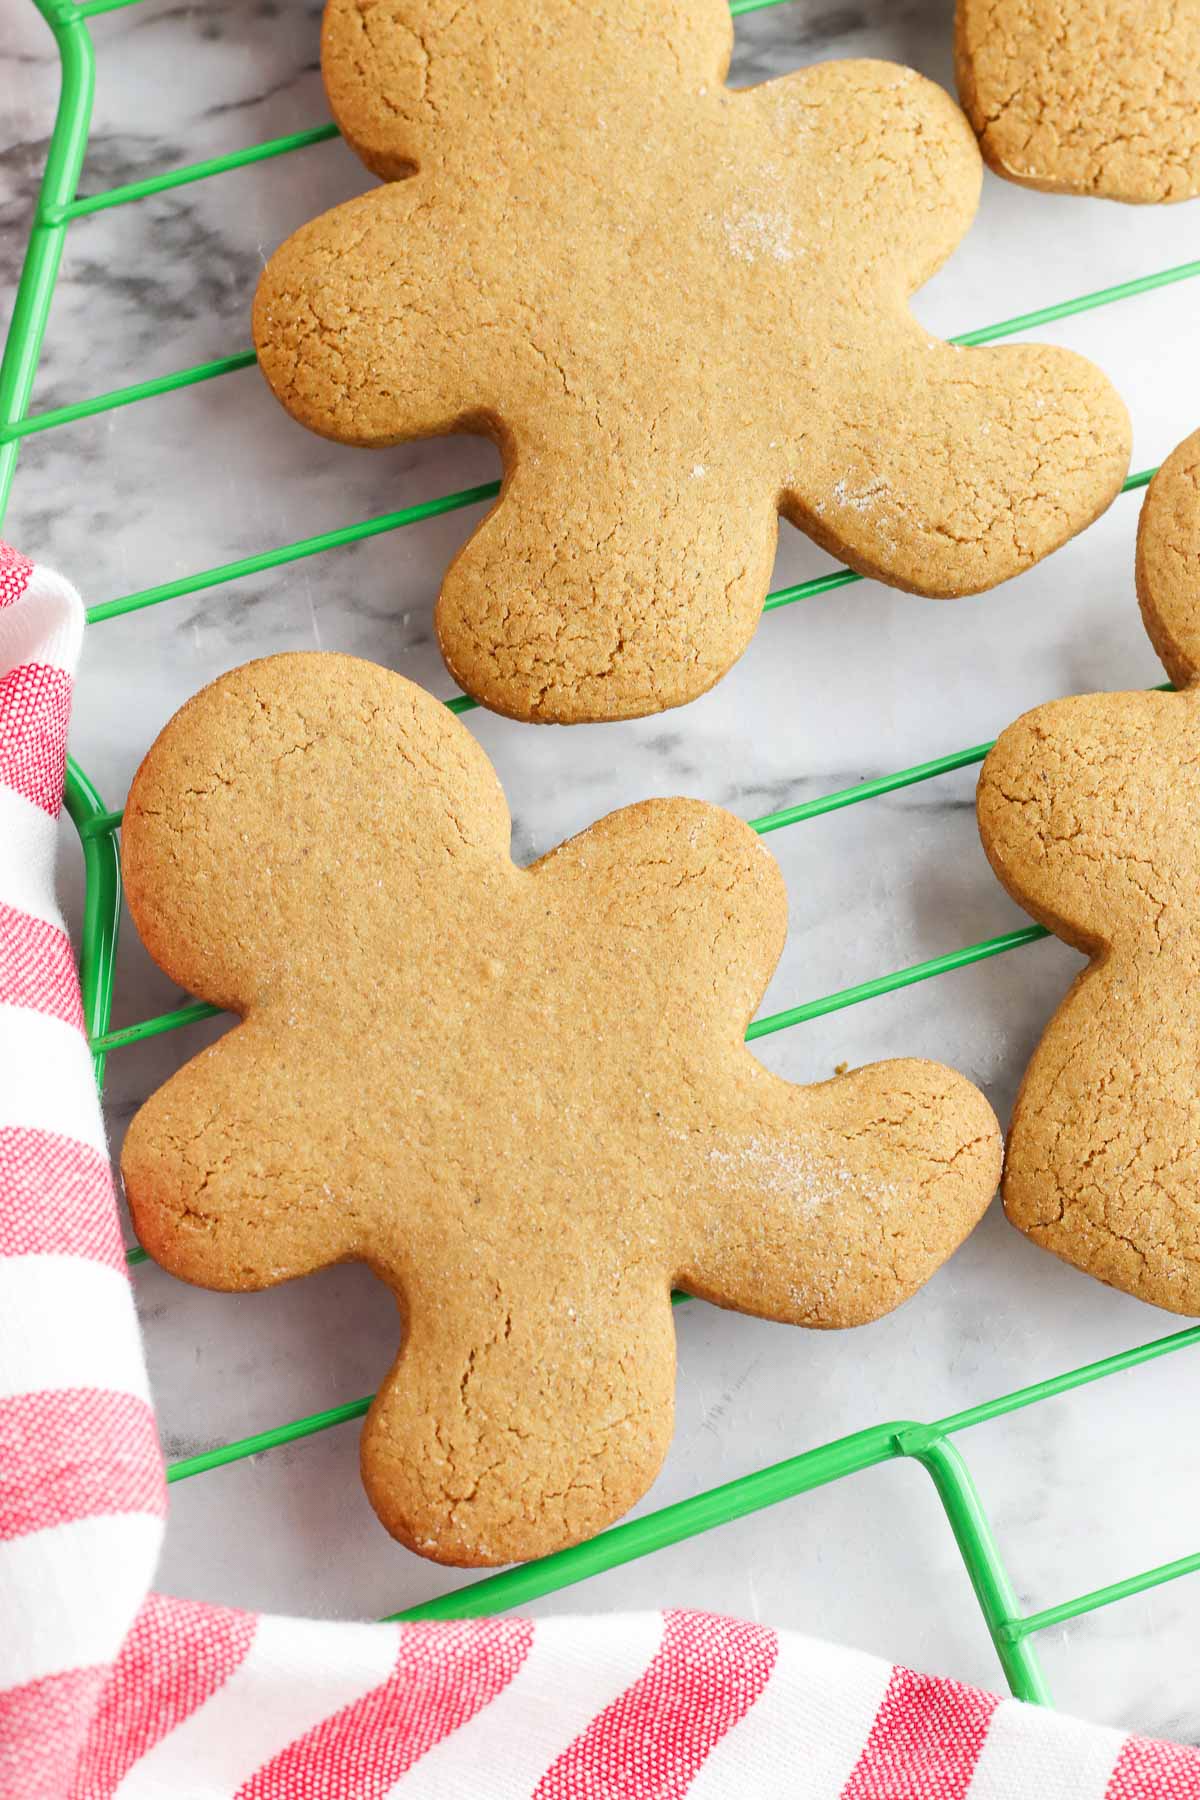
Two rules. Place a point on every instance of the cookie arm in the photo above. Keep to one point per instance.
(1084, 100)
(365, 320)
(224, 1182)
(885, 147)
(956, 469)
(829, 1206)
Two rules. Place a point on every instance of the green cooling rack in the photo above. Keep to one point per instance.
(933, 1445)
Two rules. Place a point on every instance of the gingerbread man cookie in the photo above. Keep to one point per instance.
(522, 1096)
(1090, 814)
(679, 311)
(1085, 96)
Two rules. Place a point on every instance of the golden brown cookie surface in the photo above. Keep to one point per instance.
(521, 1095)
(680, 311)
(1085, 96)
(1089, 810)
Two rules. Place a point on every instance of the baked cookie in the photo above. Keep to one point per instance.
(679, 311)
(1090, 815)
(521, 1095)
(1085, 96)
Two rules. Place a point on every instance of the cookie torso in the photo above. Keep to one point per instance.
(521, 1095)
(1086, 96)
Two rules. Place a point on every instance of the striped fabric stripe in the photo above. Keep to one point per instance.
(69, 1595)
(75, 1453)
(1030, 1750)
(27, 851)
(56, 1199)
(35, 704)
(1147, 1770)
(707, 1673)
(39, 1728)
(15, 571)
(442, 1676)
(927, 1737)
(46, 1078)
(569, 1677)
(816, 1714)
(46, 629)
(177, 1656)
(37, 967)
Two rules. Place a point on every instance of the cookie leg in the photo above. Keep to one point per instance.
(991, 458)
(600, 589)
(830, 1205)
(526, 1415)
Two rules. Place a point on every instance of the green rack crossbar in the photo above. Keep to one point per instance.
(932, 1445)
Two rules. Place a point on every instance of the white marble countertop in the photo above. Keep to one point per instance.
(854, 684)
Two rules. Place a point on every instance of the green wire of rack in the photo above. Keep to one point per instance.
(930, 1444)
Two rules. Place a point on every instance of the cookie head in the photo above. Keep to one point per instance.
(235, 856)
(522, 1096)
(680, 311)
(1078, 812)
(410, 82)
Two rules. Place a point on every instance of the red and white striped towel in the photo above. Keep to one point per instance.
(108, 1689)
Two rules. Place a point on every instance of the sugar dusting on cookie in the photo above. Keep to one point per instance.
(876, 500)
(867, 498)
(818, 1296)
(787, 1165)
(755, 233)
